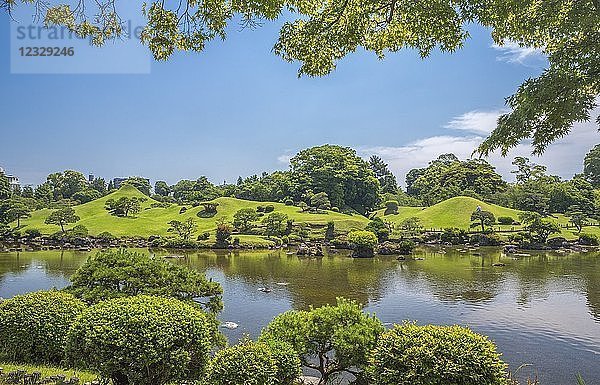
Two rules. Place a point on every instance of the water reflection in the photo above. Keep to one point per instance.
(542, 309)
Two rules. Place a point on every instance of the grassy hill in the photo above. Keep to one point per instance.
(453, 212)
(154, 221)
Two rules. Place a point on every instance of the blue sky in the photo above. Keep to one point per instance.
(237, 109)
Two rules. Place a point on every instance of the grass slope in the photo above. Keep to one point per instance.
(154, 221)
(453, 212)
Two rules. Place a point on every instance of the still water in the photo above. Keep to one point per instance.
(542, 310)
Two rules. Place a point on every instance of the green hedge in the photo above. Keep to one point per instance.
(34, 326)
(142, 340)
(435, 355)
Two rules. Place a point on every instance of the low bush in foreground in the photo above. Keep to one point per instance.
(254, 363)
(34, 326)
(142, 340)
(435, 355)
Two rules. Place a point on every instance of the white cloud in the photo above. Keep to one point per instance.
(512, 52)
(563, 158)
(477, 122)
(285, 158)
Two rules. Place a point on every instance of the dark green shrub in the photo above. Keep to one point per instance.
(204, 236)
(391, 207)
(506, 220)
(454, 236)
(330, 231)
(269, 208)
(34, 326)
(260, 209)
(435, 355)
(33, 233)
(106, 237)
(142, 340)
(178, 243)
(483, 239)
(254, 363)
(236, 242)
(335, 209)
(288, 202)
(557, 242)
(588, 240)
(379, 228)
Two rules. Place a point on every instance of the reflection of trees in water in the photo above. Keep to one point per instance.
(311, 281)
(56, 263)
(454, 276)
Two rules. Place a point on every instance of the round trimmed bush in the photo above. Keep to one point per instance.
(142, 340)
(34, 326)
(435, 355)
(248, 363)
(287, 362)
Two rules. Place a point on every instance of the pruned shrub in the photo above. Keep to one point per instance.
(204, 236)
(106, 237)
(34, 326)
(363, 242)
(269, 208)
(288, 202)
(588, 240)
(142, 340)
(254, 363)
(483, 239)
(435, 355)
(506, 220)
(33, 233)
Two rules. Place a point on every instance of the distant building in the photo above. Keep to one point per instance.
(12, 179)
(91, 178)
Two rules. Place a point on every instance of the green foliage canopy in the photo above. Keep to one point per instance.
(435, 355)
(142, 340)
(329, 339)
(34, 326)
(122, 273)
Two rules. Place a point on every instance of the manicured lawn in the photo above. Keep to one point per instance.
(154, 221)
(454, 212)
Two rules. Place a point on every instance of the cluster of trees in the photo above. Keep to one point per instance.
(534, 189)
(323, 177)
(335, 178)
(136, 319)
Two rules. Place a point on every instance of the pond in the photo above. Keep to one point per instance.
(542, 309)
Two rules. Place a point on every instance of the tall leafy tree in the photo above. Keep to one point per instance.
(5, 191)
(17, 210)
(338, 171)
(447, 177)
(591, 166)
(386, 179)
(162, 188)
